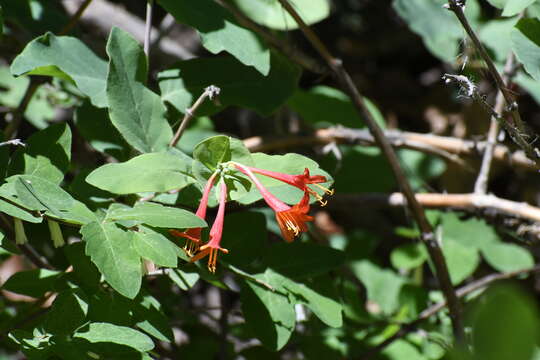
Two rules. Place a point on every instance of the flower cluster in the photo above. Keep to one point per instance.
(291, 219)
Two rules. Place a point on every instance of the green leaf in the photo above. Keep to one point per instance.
(67, 313)
(219, 149)
(269, 315)
(326, 106)
(383, 285)
(301, 260)
(47, 154)
(35, 193)
(156, 248)
(514, 7)
(320, 296)
(240, 85)
(498, 3)
(151, 319)
(95, 126)
(245, 236)
(220, 32)
(471, 233)
(507, 257)
(289, 164)
(33, 283)
(271, 14)
(504, 324)
(121, 335)
(408, 256)
(462, 261)
(111, 249)
(157, 215)
(526, 45)
(15, 211)
(85, 273)
(66, 58)
(496, 35)
(136, 111)
(438, 27)
(402, 349)
(185, 278)
(154, 172)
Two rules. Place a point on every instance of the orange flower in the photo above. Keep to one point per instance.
(211, 249)
(193, 236)
(300, 181)
(291, 220)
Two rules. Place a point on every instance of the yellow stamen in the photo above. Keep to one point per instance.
(326, 190)
(318, 197)
(191, 247)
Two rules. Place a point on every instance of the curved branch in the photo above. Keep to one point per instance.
(450, 148)
(461, 292)
(470, 201)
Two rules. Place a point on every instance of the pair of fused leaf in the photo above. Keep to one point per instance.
(291, 219)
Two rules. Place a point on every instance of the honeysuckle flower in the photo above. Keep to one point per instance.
(300, 181)
(213, 246)
(291, 220)
(193, 235)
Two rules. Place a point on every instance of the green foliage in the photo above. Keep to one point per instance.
(240, 85)
(66, 58)
(140, 275)
(220, 32)
(526, 45)
(136, 111)
(272, 15)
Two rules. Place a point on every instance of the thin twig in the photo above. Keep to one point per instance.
(17, 115)
(75, 18)
(416, 208)
(148, 29)
(285, 47)
(516, 130)
(15, 142)
(481, 184)
(461, 292)
(210, 92)
(469, 201)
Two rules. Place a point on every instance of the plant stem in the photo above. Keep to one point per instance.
(416, 208)
(75, 18)
(516, 129)
(481, 184)
(148, 29)
(210, 92)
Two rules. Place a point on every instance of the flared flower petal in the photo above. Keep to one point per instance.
(211, 249)
(291, 220)
(193, 236)
(300, 181)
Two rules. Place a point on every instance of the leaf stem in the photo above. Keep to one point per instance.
(416, 208)
(148, 29)
(75, 18)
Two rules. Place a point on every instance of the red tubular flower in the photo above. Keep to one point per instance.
(211, 249)
(291, 220)
(193, 236)
(300, 181)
